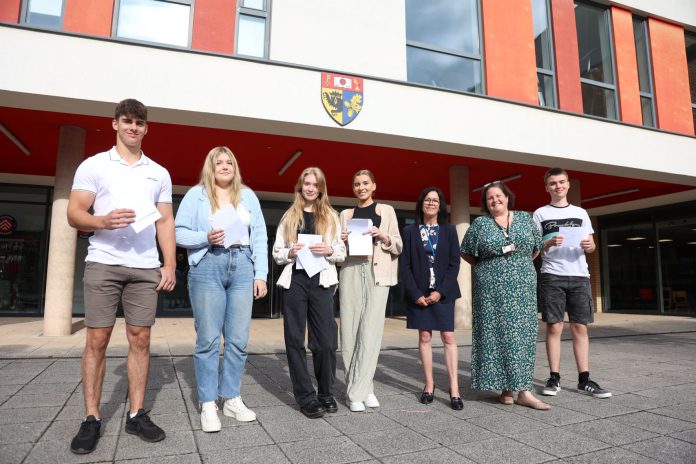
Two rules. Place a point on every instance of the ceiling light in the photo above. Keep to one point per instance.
(691, 243)
(14, 140)
(665, 240)
(611, 194)
(635, 238)
(289, 162)
(614, 245)
(504, 179)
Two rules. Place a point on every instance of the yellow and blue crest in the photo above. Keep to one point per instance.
(342, 96)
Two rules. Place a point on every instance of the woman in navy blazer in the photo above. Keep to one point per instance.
(429, 266)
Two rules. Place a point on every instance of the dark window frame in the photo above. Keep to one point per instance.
(448, 51)
(552, 58)
(264, 14)
(692, 36)
(649, 95)
(24, 16)
(604, 85)
(117, 13)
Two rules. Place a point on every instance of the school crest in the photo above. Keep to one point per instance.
(342, 96)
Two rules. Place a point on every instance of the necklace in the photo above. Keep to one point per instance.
(504, 230)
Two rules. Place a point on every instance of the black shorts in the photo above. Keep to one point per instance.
(560, 293)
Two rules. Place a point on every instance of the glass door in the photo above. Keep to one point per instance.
(677, 245)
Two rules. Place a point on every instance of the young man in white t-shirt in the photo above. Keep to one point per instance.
(564, 284)
(131, 197)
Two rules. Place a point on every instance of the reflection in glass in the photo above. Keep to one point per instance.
(678, 264)
(640, 34)
(444, 24)
(690, 40)
(542, 34)
(594, 45)
(443, 70)
(251, 36)
(45, 13)
(598, 101)
(647, 110)
(154, 21)
(545, 89)
(693, 115)
(632, 277)
(255, 4)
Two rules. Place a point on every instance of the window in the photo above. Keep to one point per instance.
(690, 39)
(596, 60)
(543, 45)
(443, 44)
(158, 21)
(640, 33)
(44, 13)
(252, 28)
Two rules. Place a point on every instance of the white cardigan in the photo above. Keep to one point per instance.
(328, 276)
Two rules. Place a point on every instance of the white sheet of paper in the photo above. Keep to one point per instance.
(130, 196)
(572, 236)
(310, 262)
(359, 243)
(228, 220)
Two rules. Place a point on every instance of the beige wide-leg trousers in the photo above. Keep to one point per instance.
(363, 305)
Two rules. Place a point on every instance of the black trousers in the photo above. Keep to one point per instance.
(307, 305)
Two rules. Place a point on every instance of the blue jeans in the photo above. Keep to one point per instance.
(221, 292)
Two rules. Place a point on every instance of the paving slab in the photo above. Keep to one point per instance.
(430, 456)
(324, 451)
(654, 422)
(397, 440)
(501, 450)
(610, 456)
(231, 438)
(611, 432)
(14, 453)
(270, 454)
(665, 449)
(562, 443)
(133, 447)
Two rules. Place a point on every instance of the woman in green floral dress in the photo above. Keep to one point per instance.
(501, 246)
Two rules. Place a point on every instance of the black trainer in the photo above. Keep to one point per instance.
(329, 404)
(593, 388)
(142, 426)
(87, 437)
(552, 387)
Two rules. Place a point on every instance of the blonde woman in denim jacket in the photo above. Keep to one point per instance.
(223, 282)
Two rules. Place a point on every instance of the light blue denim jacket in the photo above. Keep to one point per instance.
(192, 227)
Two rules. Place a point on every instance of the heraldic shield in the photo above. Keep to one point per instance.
(342, 96)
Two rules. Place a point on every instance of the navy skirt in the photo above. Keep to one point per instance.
(439, 316)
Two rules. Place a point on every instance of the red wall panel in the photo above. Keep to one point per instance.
(508, 37)
(670, 77)
(565, 45)
(213, 25)
(9, 10)
(91, 17)
(626, 66)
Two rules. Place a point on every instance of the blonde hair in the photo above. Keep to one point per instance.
(325, 216)
(208, 178)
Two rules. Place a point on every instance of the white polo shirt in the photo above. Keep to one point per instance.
(104, 174)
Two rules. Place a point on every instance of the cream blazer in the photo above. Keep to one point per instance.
(328, 276)
(385, 259)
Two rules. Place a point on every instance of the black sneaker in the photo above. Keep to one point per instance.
(87, 437)
(142, 426)
(329, 404)
(592, 388)
(552, 387)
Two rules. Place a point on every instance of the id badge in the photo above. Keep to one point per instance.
(508, 248)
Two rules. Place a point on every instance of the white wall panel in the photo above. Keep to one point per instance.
(680, 11)
(360, 36)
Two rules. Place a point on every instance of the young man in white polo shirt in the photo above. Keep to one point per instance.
(131, 196)
(565, 283)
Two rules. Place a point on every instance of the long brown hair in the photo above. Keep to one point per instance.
(325, 216)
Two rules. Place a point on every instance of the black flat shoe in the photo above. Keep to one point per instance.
(456, 403)
(427, 397)
(313, 409)
(329, 404)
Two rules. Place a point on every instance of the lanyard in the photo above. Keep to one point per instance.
(427, 235)
(504, 231)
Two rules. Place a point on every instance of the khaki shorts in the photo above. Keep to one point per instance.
(105, 286)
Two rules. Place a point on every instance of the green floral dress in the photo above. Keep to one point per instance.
(504, 303)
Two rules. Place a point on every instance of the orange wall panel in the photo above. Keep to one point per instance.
(91, 17)
(565, 46)
(626, 66)
(9, 10)
(508, 37)
(213, 25)
(670, 77)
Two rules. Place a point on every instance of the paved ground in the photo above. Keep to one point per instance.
(648, 362)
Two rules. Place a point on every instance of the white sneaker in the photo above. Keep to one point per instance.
(210, 422)
(371, 401)
(356, 406)
(234, 407)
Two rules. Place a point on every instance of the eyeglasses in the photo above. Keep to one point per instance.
(432, 201)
